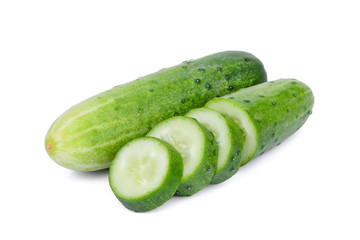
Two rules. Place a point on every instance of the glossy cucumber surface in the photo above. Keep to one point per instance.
(268, 113)
(89, 134)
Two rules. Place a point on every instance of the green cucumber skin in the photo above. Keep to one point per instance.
(205, 171)
(277, 109)
(88, 135)
(162, 194)
(233, 162)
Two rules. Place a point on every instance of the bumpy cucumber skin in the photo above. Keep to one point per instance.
(88, 135)
(276, 108)
(232, 164)
(164, 192)
(202, 176)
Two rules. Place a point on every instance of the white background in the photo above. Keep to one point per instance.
(54, 54)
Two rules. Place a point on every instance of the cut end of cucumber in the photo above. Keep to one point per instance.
(139, 168)
(241, 117)
(184, 136)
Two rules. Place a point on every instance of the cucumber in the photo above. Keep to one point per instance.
(145, 173)
(229, 138)
(88, 135)
(197, 147)
(268, 113)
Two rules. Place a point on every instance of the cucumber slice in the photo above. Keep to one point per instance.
(145, 173)
(268, 113)
(197, 147)
(240, 116)
(229, 138)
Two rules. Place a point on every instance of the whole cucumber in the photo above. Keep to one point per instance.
(88, 135)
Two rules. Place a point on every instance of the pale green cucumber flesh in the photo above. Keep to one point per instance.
(145, 173)
(241, 117)
(88, 135)
(197, 147)
(229, 138)
(269, 112)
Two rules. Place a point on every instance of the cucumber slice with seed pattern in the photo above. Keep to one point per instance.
(229, 138)
(197, 147)
(145, 173)
(240, 116)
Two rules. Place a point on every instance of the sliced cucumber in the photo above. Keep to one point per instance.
(197, 147)
(240, 116)
(229, 138)
(268, 113)
(145, 173)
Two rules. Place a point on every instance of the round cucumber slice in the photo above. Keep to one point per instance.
(145, 173)
(229, 138)
(197, 147)
(242, 118)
